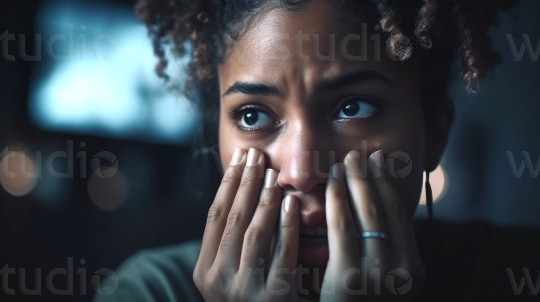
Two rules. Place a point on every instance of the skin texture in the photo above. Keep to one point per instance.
(301, 141)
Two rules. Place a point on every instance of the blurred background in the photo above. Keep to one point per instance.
(96, 157)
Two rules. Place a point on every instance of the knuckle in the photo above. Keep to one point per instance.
(208, 284)
(234, 218)
(229, 176)
(343, 225)
(266, 198)
(197, 278)
(201, 281)
(253, 236)
(214, 213)
(211, 285)
(251, 173)
(246, 181)
(373, 211)
(212, 279)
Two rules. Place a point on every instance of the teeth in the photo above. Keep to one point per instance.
(313, 231)
(313, 240)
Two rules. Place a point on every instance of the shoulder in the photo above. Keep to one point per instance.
(159, 274)
(478, 259)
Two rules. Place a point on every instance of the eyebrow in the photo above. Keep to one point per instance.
(333, 83)
(253, 89)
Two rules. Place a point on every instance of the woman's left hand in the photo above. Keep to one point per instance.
(373, 268)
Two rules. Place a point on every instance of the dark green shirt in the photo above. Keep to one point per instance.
(464, 262)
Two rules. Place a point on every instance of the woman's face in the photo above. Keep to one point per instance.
(281, 94)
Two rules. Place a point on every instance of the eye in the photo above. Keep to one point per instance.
(356, 108)
(252, 119)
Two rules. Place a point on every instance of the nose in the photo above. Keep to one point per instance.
(303, 161)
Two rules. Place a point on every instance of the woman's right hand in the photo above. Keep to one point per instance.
(235, 254)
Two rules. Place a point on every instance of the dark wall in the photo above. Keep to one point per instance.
(496, 129)
(44, 230)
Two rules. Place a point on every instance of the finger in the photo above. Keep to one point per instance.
(342, 241)
(219, 210)
(400, 227)
(242, 210)
(281, 280)
(258, 236)
(366, 207)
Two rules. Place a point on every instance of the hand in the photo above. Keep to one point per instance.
(238, 236)
(355, 204)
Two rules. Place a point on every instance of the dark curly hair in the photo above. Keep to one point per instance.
(439, 28)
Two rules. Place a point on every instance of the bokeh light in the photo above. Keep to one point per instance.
(108, 194)
(110, 90)
(18, 173)
(438, 182)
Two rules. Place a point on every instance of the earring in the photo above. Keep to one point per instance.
(429, 198)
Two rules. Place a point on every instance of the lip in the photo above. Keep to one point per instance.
(313, 250)
(313, 254)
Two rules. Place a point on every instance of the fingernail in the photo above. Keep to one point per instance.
(337, 172)
(288, 204)
(352, 157)
(237, 157)
(377, 158)
(253, 157)
(270, 178)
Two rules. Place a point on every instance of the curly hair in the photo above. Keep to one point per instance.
(440, 27)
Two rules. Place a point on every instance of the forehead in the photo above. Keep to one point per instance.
(300, 48)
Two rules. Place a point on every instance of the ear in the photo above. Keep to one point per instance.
(438, 131)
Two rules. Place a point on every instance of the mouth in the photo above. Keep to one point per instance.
(313, 235)
(313, 250)
(313, 247)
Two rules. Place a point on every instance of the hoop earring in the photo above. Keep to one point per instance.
(429, 198)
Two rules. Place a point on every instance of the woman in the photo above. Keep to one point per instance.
(329, 114)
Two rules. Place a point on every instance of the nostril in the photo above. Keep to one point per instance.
(303, 185)
(287, 188)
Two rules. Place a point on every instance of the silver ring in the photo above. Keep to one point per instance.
(380, 235)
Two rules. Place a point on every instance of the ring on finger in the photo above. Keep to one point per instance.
(381, 235)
